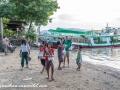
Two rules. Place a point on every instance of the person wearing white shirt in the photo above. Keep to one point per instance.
(11, 47)
(5, 44)
(24, 51)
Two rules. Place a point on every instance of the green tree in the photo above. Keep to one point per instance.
(6, 32)
(31, 34)
(5, 21)
(7, 10)
(37, 11)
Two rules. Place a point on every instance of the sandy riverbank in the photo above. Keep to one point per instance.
(91, 77)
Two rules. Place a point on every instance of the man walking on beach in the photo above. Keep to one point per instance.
(67, 44)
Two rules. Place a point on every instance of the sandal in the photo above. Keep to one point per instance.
(63, 66)
(47, 78)
(78, 69)
(27, 66)
(52, 79)
(68, 66)
(41, 71)
(59, 68)
(22, 69)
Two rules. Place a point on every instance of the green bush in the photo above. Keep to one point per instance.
(8, 32)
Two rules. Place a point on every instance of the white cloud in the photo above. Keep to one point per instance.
(84, 12)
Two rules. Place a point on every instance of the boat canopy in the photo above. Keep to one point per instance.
(69, 30)
(104, 36)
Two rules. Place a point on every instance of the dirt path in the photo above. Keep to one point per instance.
(90, 77)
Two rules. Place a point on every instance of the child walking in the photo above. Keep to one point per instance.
(60, 54)
(40, 56)
(24, 51)
(49, 52)
(79, 58)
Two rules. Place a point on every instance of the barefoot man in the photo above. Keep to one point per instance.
(67, 44)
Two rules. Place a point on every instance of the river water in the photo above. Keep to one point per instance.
(102, 56)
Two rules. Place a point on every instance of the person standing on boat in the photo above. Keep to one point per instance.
(24, 51)
(67, 42)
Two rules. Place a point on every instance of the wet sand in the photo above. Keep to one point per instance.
(91, 76)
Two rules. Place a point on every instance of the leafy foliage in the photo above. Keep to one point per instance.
(31, 34)
(37, 11)
(21, 33)
(7, 10)
(6, 32)
(5, 21)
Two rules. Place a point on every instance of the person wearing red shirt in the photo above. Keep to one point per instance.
(49, 52)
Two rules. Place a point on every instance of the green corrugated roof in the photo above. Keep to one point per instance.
(72, 31)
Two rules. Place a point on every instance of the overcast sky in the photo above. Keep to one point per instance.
(86, 14)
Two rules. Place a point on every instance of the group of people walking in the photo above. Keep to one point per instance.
(46, 54)
(64, 49)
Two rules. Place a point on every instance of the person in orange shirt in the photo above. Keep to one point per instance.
(49, 53)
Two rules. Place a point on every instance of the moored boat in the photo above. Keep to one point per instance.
(84, 38)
